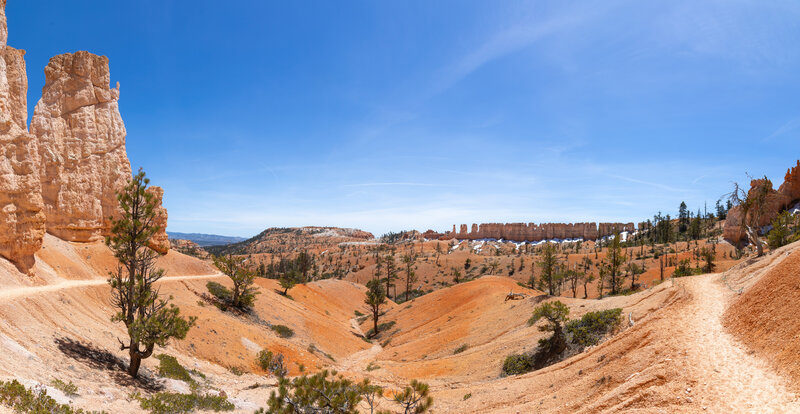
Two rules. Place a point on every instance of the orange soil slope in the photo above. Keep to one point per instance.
(428, 329)
(676, 358)
(319, 314)
(765, 316)
(59, 260)
(44, 319)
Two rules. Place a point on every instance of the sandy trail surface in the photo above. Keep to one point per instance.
(725, 369)
(26, 291)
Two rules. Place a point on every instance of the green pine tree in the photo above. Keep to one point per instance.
(149, 319)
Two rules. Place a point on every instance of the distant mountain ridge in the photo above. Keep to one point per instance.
(284, 240)
(204, 240)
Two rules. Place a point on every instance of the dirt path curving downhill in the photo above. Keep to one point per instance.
(729, 378)
(358, 361)
(14, 293)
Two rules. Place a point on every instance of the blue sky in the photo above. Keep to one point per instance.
(419, 114)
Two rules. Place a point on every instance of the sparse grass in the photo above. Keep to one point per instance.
(590, 328)
(383, 327)
(313, 349)
(283, 331)
(264, 359)
(412, 294)
(460, 349)
(516, 364)
(220, 292)
(197, 373)
(372, 367)
(272, 363)
(35, 401)
(169, 367)
(170, 402)
(236, 370)
(68, 388)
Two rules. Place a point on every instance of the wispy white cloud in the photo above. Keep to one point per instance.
(784, 129)
(516, 37)
(398, 184)
(648, 183)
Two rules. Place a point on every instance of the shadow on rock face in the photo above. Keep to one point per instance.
(100, 359)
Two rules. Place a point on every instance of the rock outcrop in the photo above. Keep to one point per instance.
(82, 159)
(538, 232)
(159, 242)
(777, 200)
(188, 247)
(791, 183)
(22, 222)
(61, 177)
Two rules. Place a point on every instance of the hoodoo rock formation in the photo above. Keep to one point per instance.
(22, 222)
(63, 176)
(777, 200)
(81, 147)
(159, 242)
(538, 232)
(791, 183)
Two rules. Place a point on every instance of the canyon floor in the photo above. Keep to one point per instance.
(692, 344)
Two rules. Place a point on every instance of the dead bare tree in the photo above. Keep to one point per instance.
(753, 205)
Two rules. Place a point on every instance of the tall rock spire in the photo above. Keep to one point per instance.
(81, 139)
(82, 157)
(22, 222)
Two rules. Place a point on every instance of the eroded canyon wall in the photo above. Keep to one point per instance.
(538, 232)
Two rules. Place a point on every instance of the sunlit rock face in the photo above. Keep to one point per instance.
(538, 232)
(81, 138)
(777, 201)
(160, 241)
(22, 222)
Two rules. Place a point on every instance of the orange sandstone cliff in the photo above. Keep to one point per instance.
(61, 177)
(22, 222)
(534, 232)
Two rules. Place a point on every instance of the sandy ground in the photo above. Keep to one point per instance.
(676, 357)
(765, 315)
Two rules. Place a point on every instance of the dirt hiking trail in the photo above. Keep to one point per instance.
(740, 381)
(17, 292)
